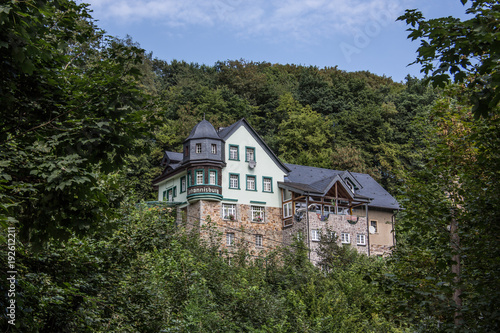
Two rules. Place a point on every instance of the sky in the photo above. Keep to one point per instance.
(354, 35)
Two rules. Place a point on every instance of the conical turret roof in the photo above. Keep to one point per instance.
(203, 130)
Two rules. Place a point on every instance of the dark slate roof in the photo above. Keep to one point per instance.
(174, 166)
(226, 131)
(173, 156)
(323, 183)
(203, 130)
(300, 187)
(310, 175)
(371, 188)
(319, 179)
(171, 160)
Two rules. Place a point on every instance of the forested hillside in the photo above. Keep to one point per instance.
(319, 117)
(85, 120)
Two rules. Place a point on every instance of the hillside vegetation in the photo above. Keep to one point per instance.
(85, 120)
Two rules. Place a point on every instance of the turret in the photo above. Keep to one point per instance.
(203, 156)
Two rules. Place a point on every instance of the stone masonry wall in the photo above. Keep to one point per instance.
(380, 250)
(339, 224)
(336, 223)
(298, 227)
(193, 215)
(244, 229)
(272, 231)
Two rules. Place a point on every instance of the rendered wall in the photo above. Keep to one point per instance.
(175, 181)
(265, 167)
(382, 241)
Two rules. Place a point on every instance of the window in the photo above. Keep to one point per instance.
(267, 187)
(315, 235)
(287, 210)
(234, 181)
(329, 209)
(164, 195)
(186, 150)
(198, 148)
(360, 239)
(324, 268)
(345, 238)
(183, 184)
(251, 183)
(213, 178)
(250, 154)
(257, 214)
(299, 205)
(190, 180)
(199, 177)
(170, 195)
(287, 195)
(374, 228)
(258, 240)
(229, 239)
(229, 211)
(343, 211)
(214, 148)
(332, 235)
(349, 184)
(234, 153)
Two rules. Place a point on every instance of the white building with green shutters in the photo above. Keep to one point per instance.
(232, 178)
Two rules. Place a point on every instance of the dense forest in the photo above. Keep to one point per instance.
(85, 120)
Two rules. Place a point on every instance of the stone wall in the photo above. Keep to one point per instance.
(292, 231)
(193, 215)
(272, 230)
(336, 223)
(380, 250)
(244, 229)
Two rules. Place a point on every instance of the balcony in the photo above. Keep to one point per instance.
(204, 192)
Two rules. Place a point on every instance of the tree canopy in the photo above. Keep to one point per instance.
(467, 50)
(72, 107)
(85, 121)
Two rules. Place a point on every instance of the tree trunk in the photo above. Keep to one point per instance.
(455, 269)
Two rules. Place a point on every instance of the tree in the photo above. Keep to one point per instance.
(72, 106)
(468, 50)
(305, 136)
(348, 157)
(450, 220)
(447, 241)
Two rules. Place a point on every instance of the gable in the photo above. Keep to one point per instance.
(241, 132)
(321, 179)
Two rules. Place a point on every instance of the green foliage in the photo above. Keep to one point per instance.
(304, 135)
(86, 119)
(372, 115)
(459, 185)
(71, 107)
(468, 50)
(147, 274)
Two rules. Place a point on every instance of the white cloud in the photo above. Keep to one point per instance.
(300, 19)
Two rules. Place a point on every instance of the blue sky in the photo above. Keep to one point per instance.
(351, 34)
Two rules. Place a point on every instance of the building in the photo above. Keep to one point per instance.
(232, 178)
